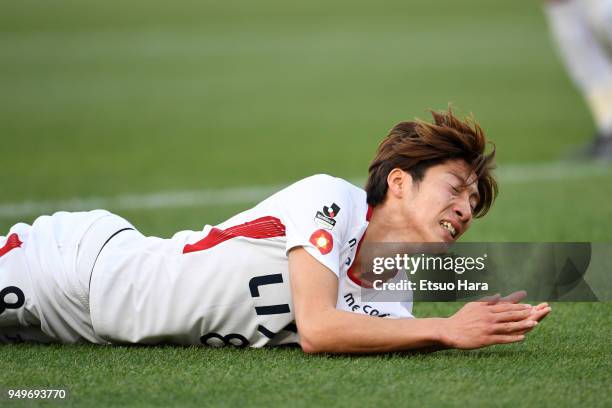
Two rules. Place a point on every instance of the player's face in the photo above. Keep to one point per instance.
(439, 208)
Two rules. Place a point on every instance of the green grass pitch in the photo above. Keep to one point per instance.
(100, 99)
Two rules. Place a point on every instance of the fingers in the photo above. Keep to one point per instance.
(514, 297)
(509, 307)
(513, 315)
(507, 338)
(514, 327)
(539, 314)
(491, 300)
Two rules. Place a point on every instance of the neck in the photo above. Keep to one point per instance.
(387, 225)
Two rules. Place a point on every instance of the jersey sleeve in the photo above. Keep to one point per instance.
(316, 213)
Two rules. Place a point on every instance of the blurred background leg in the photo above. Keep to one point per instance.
(583, 33)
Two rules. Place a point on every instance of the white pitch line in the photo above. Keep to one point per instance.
(521, 173)
(162, 199)
(517, 173)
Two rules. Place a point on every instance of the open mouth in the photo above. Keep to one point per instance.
(449, 227)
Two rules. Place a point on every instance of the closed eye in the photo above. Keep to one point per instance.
(455, 189)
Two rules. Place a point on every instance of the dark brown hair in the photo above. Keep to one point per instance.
(416, 146)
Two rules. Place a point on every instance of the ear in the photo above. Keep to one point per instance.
(397, 182)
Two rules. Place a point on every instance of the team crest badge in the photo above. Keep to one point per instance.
(325, 219)
(322, 240)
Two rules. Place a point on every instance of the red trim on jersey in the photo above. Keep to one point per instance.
(261, 228)
(351, 272)
(12, 242)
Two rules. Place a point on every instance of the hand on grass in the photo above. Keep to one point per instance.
(479, 324)
(538, 313)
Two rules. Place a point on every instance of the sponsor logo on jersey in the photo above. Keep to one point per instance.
(325, 218)
(322, 240)
(354, 306)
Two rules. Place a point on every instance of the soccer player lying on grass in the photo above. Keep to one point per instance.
(282, 272)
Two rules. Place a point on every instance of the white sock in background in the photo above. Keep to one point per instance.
(600, 16)
(586, 47)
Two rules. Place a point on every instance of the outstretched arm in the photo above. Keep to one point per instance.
(323, 328)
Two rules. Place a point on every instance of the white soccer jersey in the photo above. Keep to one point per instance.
(229, 284)
(91, 276)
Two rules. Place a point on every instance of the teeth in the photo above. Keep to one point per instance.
(449, 227)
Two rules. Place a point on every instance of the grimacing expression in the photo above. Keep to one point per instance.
(440, 207)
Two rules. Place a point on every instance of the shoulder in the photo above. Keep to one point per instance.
(319, 184)
(327, 201)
